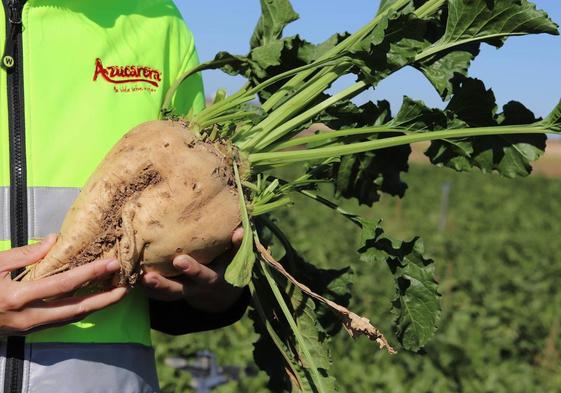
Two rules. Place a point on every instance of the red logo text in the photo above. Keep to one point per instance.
(127, 74)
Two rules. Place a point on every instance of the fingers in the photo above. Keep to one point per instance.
(162, 288)
(194, 271)
(194, 275)
(237, 237)
(22, 256)
(68, 309)
(64, 283)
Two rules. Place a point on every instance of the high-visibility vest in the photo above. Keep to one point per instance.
(86, 72)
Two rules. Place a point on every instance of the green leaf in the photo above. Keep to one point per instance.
(473, 104)
(509, 155)
(272, 351)
(308, 52)
(266, 56)
(284, 55)
(239, 271)
(346, 114)
(444, 70)
(553, 121)
(236, 65)
(417, 301)
(275, 57)
(409, 6)
(384, 5)
(469, 23)
(394, 43)
(275, 15)
(365, 176)
(416, 116)
(333, 284)
(492, 20)
(444, 51)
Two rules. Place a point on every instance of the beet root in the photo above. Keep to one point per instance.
(161, 191)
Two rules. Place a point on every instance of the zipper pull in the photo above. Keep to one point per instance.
(14, 28)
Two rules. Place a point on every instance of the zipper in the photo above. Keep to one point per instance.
(12, 62)
(13, 10)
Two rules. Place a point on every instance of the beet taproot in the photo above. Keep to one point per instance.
(161, 191)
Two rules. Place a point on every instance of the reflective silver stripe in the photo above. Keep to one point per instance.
(91, 368)
(86, 368)
(2, 362)
(46, 206)
(4, 213)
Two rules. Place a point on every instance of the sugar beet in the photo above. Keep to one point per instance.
(160, 191)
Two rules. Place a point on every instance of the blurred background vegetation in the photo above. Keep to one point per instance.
(497, 251)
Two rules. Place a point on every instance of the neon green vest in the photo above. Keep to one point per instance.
(92, 70)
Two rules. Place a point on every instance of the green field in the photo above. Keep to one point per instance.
(498, 258)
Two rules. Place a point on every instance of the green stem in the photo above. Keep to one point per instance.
(295, 71)
(310, 363)
(245, 95)
(166, 107)
(289, 157)
(279, 234)
(209, 115)
(345, 44)
(312, 90)
(439, 47)
(284, 129)
(271, 331)
(288, 109)
(324, 201)
(228, 118)
(239, 270)
(335, 135)
(277, 119)
(308, 86)
(260, 209)
(429, 8)
(332, 205)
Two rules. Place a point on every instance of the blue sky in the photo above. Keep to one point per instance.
(526, 69)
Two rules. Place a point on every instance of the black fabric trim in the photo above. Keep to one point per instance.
(176, 318)
(15, 348)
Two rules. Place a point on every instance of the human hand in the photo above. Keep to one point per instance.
(33, 305)
(202, 286)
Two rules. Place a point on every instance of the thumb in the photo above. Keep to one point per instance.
(22, 256)
(237, 237)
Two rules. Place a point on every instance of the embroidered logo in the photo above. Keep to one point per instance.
(127, 74)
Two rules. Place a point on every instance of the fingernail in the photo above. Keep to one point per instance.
(183, 262)
(113, 265)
